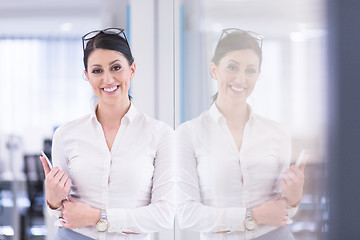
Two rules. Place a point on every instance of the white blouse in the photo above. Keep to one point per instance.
(134, 181)
(217, 182)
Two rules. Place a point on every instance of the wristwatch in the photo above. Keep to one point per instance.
(250, 223)
(102, 224)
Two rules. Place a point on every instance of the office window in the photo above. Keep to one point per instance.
(41, 86)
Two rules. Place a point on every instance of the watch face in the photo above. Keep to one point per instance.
(250, 224)
(102, 226)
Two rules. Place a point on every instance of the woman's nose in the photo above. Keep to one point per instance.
(108, 77)
(240, 76)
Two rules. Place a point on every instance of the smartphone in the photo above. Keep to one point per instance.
(301, 158)
(47, 160)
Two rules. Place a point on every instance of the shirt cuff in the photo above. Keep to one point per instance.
(233, 220)
(54, 212)
(118, 221)
(292, 211)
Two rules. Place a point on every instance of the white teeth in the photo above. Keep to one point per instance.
(237, 89)
(110, 89)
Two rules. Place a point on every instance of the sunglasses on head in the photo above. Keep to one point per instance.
(110, 31)
(254, 35)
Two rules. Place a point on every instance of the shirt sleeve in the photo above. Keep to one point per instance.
(159, 214)
(192, 214)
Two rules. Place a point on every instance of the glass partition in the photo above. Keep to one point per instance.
(289, 90)
(173, 43)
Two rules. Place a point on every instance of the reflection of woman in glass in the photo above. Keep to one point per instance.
(115, 162)
(233, 162)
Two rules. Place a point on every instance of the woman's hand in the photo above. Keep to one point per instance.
(271, 213)
(57, 185)
(78, 214)
(292, 184)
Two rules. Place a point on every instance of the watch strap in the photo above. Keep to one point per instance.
(250, 223)
(103, 214)
(248, 214)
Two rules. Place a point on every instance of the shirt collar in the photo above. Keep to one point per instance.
(215, 113)
(218, 116)
(130, 114)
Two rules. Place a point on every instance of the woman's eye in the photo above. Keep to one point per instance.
(232, 67)
(251, 71)
(116, 68)
(96, 71)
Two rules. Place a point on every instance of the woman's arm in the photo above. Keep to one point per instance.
(78, 214)
(156, 216)
(159, 214)
(271, 213)
(194, 215)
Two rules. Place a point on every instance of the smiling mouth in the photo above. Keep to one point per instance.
(111, 89)
(237, 89)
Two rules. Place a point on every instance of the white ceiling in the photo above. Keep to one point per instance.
(273, 18)
(48, 17)
(74, 17)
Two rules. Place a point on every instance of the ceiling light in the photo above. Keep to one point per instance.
(65, 27)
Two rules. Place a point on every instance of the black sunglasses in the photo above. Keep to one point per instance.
(254, 35)
(111, 31)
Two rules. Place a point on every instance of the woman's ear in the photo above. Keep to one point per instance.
(86, 75)
(132, 70)
(259, 75)
(213, 70)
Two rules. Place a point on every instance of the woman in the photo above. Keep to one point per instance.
(232, 163)
(115, 162)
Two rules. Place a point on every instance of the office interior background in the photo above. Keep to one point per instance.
(42, 86)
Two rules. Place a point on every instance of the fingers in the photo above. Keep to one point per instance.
(59, 178)
(282, 185)
(67, 188)
(45, 165)
(67, 225)
(58, 184)
(65, 203)
(69, 197)
(283, 222)
(292, 175)
(277, 196)
(51, 175)
(296, 170)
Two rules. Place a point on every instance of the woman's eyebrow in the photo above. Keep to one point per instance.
(236, 62)
(112, 62)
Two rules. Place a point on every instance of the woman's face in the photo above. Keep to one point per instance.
(236, 74)
(109, 75)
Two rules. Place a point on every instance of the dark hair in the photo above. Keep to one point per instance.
(237, 40)
(109, 42)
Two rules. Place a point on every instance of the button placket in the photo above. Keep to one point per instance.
(245, 178)
(105, 184)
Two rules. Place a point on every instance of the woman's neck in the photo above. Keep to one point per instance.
(110, 115)
(233, 111)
